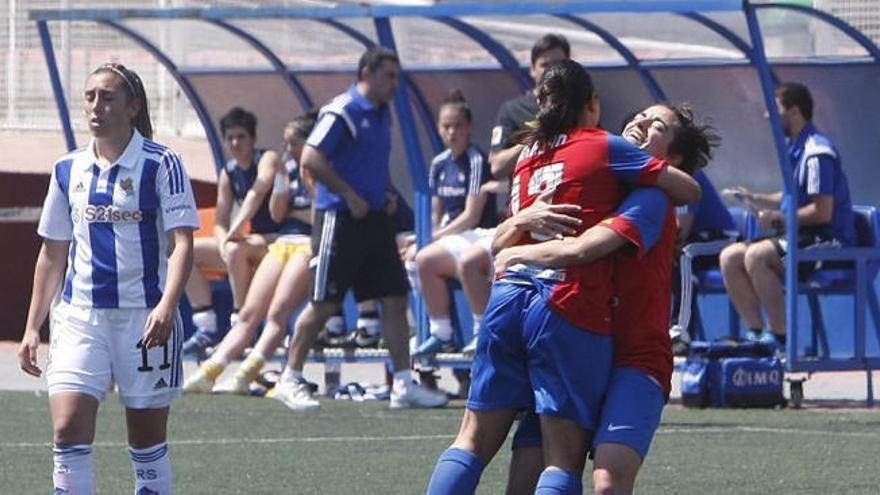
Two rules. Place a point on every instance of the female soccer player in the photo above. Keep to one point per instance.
(545, 339)
(113, 210)
(281, 282)
(463, 216)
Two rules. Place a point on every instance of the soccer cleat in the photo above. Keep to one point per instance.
(296, 395)
(238, 385)
(199, 383)
(432, 346)
(413, 395)
(198, 344)
(754, 335)
(362, 339)
(471, 348)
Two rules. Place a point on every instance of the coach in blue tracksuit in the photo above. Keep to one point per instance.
(352, 236)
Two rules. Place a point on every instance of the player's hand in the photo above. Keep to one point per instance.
(547, 219)
(27, 353)
(159, 325)
(505, 259)
(356, 204)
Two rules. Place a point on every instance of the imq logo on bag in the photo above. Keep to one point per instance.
(743, 377)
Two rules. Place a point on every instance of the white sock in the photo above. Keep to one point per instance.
(152, 469)
(205, 320)
(412, 274)
(404, 377)
(292, 375)
(441, 327)
(478, 319)
(73, 469)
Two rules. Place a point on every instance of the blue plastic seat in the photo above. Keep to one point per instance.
(842, 281)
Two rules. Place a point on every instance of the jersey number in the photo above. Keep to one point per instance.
(546, 178)
(145, 365)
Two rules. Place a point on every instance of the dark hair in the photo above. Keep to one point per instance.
(794, 94)
(373, 58)
(302, 126)
(693, 141)
(563, 90)
(550, 42)
(456, 100)
(134, 89)
(239, 117)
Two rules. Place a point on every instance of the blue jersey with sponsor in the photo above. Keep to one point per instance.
(241, 181)
(355, 136)
(817, 171)
(453, 179)
(711, 217)
(298, 199)
(116, 219)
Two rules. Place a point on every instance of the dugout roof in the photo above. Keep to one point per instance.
(722, 56)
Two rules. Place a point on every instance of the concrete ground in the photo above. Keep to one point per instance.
(837, 389)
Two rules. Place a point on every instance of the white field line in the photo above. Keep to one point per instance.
(416, 438)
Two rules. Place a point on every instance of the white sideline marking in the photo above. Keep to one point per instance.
(225, 441)
(411, 438)
(758, 429)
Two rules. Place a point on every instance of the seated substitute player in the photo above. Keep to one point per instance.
(545, 343)
(120, 214)
(641, 379)
(753, 272)
(463, 215)
(281, 282)
(704, 229)
(247, 180)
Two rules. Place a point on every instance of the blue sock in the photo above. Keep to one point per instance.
(457, 472)
(559, 482)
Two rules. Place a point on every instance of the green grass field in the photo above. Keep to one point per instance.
(249, 445)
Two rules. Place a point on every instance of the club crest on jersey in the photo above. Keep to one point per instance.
(365, 123)
(127, 186)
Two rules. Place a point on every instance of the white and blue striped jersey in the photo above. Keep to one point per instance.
(116, 219)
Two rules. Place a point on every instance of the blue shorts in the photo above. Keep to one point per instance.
(530, 358)
(632, 410)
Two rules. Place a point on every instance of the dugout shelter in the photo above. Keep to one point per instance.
(722, 56)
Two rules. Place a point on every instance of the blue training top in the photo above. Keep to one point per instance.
(242, 180)
(711, 217)
(454, 179)
(817, 171)
(355, 136)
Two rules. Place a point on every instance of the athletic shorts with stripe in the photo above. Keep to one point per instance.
(358, 254)
(90, 349)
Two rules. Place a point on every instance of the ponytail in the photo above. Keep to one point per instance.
(563, 90)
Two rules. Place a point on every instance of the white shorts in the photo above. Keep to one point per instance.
(90, 348)
(458, 244)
